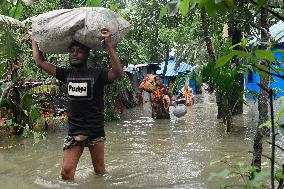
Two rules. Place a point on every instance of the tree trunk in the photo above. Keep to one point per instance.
(227, 118)
(235, 32)
(207, 36)
(166, 60)
(264, 80)
(262, 102)
(212, 57)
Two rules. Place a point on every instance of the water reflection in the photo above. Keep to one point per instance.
(140, 152)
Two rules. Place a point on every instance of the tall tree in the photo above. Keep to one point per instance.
(207, 36)
(212, 58)
(263, 97)
(235, 32)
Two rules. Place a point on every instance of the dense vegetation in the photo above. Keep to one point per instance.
(213, 36)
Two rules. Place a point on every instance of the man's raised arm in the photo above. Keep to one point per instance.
(116, 71)
(39, 60)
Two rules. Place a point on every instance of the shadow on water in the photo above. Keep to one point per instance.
(140, 152)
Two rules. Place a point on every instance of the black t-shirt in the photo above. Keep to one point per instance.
(86, 99)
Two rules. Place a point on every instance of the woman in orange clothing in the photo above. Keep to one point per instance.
(148, 85)
(186, 91)
(160, 100)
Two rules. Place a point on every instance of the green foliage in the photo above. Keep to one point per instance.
(279, 175)
(22, 115)
(114, 7)
(260, 3)
(171, 8)
(17, 10)
(26, 102)
(265, 55)
(281, 101)
(174, 86)
(259, 180)
(37, 135)
(167, 35)
(14, 9)
(9, 47)
(212, 7)
(10, 38)
(189, 28)
(142, 43)
(243, 172)
(2, 69)
(223, 174)
(278, 120)
(126, 82)
(184, 7)
(38, 6)
(164, 11)
(111, 92)
(222, 79)
(94, 3)
(251, 60)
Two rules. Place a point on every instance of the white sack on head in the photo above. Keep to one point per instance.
(56, 30)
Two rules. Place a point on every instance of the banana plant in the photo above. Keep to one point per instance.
(11, 39)
(19, 110)
(222, 80)
(9, 46)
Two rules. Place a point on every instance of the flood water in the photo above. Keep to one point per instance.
(139, 152)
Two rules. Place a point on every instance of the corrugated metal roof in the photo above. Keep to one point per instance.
(171, 71)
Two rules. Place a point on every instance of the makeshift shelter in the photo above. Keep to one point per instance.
(174, 70)
(251, 78)
(137, 73)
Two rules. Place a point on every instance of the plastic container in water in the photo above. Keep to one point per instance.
(180, 109)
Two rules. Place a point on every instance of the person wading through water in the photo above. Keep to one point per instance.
(160, 100)
(186, 92)
(85, 87)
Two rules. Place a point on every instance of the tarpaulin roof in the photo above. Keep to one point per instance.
(276, 31)
(131, 68)
(171, 68)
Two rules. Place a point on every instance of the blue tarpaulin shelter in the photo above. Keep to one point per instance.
(251, 79)
(171, 68)
(173, 71)
(276, 31)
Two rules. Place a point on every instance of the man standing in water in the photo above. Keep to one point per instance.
(86, 104)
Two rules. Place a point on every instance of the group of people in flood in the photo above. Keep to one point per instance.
(160, 96)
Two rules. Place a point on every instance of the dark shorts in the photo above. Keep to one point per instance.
(70, 142)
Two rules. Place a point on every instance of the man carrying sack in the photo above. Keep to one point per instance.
(86, 103)
(76, 32)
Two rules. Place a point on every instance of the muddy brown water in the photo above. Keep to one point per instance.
(139, 152)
